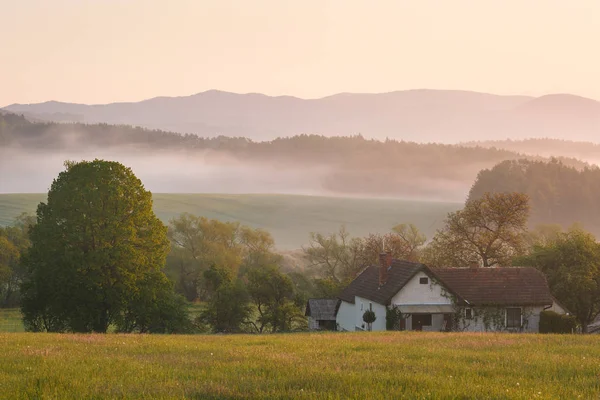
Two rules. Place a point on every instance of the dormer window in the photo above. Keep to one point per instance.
(424, 281)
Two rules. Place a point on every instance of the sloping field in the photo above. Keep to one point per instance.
(391, 365)
(289, 218)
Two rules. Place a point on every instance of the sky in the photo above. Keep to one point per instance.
(101, 51)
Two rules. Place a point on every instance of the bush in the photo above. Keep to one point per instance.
(392, 318)
(552, 322)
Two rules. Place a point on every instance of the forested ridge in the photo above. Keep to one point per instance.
(344, 165)
(559, 194)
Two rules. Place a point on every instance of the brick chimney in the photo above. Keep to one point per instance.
(385, 262)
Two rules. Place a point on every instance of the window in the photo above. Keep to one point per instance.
(362, 306)
(423, 281)
(513, 317)
(370, 306)
(468, 313)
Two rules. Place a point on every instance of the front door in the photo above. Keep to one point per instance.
(420, 320)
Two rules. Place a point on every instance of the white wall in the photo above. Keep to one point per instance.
(350, 316)
(416, 293)
(557, 308)
(379, 309)
(345, 317)
(530, 315)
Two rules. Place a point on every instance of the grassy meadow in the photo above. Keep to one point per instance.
(289, 218)
(301, 366)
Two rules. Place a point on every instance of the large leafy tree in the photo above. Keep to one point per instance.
(571, 262)
(489, 231)
(227, 309)
(97, 251)
(272, 292)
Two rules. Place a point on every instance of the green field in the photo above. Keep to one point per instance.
(10, 320)
(390, 365)
(289, 218)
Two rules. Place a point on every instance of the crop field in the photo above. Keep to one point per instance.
(289, 218)
(301, 366)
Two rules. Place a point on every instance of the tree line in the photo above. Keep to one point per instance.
(353, 164)
(558, 193)
(96, 258)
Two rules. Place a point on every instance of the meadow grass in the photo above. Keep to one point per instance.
(387, 365)
(11, 320)
(289, 218)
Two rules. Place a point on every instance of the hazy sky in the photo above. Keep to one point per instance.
(98, 51)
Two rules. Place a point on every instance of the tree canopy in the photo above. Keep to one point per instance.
(558, 193)
(488, 231)
(571, 262)
(97, 251)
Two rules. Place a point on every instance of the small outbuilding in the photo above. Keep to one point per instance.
(321, 314)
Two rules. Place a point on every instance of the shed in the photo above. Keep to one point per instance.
(321, 314)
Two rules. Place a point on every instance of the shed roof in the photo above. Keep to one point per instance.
(321, 309)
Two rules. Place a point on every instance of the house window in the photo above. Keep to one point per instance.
(370, 306)
(362, 306)
(424, 281)
(513, 318)
(468, 313)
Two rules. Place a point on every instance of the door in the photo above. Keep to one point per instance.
(420, 320)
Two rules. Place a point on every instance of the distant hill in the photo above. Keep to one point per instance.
(413, 115)
(32, 155)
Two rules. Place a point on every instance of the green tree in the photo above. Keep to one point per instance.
(489, 231)
(197, 243)
(272, 292)
(14, 240)
(97, 247)
(369, 317)
(227, 310)
(571, 263)
(337, 257)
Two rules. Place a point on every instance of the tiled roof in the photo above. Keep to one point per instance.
(475, 286)
(366, 285)
(321, 309)
(496, 286)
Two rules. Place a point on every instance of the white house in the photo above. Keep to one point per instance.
(444, 299)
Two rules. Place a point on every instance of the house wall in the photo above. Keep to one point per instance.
(416, 293)
(557, 308)
(313, 324)
(346, 317)
(490, 319)
(379, 309)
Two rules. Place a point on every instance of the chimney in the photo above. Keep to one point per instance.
(385, 262)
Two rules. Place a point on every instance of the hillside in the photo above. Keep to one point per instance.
(289, 219)
(396, 365)
(415, 115)
(315, 165)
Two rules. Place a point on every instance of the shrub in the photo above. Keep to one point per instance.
(552, 322)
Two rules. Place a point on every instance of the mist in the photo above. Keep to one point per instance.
(209, 171)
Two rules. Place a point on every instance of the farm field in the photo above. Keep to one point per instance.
(301, 366)
(289, 218)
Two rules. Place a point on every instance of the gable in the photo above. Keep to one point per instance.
(366, 285)
(416, 292)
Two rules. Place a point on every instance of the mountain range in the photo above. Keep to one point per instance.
(413, 115)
